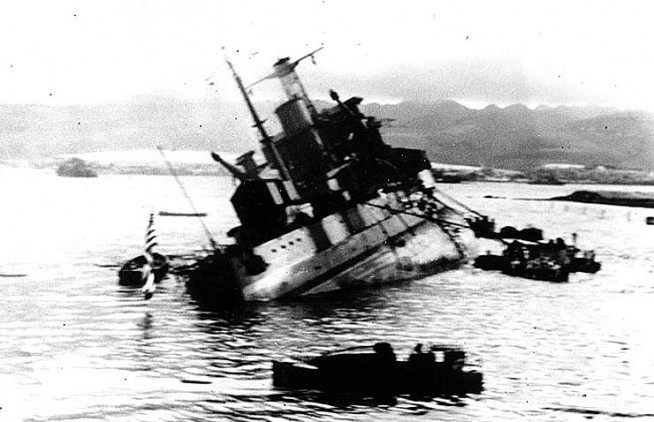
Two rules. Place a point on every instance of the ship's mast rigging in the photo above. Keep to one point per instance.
(258, 123)
(284, 70)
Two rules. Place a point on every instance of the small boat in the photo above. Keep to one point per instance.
(147, 269)
(375, 372)
(530, 234)
(585, 264)
(491, 262)
(541, 268)
(485, 227)
(131, 273)
(547, 261)
(182, 214)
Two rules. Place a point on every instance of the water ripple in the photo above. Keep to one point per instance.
(76, 346)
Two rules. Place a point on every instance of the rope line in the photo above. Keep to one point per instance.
(188, 198)
(426, 217)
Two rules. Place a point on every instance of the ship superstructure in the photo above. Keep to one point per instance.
(333, 207)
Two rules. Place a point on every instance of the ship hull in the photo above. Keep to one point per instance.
(333, 208)
(365, 246)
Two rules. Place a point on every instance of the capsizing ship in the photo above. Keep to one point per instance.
(333, 207)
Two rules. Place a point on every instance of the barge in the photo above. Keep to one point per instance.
(375, 372)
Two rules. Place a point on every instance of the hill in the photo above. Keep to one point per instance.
(517, 137)
(514, 137)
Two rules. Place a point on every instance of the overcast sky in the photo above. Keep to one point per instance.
(478, 52)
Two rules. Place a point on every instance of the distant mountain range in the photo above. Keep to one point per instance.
(520, 138)
(514, 137)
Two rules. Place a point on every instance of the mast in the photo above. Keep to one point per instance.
(292, 85)
(284, 70)
(258, 123)
(266, 140)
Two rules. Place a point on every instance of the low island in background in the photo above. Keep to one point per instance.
(199, 163)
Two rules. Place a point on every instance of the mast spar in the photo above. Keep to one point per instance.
(266, 140)
(258, 123)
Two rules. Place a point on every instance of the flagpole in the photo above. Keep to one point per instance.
(148, 270)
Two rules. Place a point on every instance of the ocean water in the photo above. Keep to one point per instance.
(75, 346)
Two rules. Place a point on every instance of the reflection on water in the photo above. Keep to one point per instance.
(76, 346)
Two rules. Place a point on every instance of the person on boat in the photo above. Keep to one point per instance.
(419, 356)
(421, 371)
(561, 251)
(454, 360)
(416, 350)
(383, 379)
(482, 226)
(385, 352)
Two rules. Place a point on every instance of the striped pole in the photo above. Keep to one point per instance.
(150, 237)
(148, 273)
